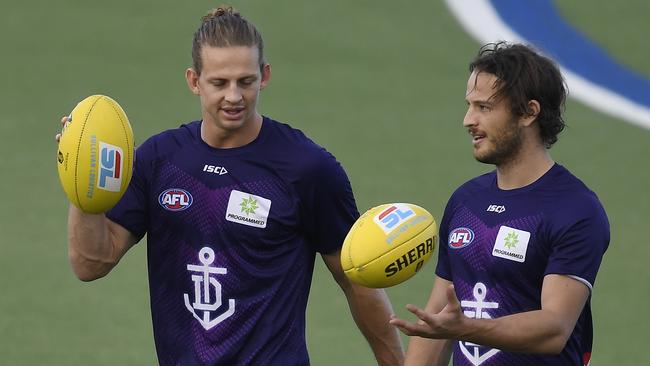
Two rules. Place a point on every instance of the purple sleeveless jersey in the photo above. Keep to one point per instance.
(496, 247)
(232, 236)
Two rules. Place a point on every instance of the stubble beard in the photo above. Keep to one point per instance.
(505, 146)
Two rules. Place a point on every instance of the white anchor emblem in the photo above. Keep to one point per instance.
(202, 283)
(479, 292)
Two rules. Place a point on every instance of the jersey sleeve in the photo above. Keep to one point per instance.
(443, 268)
(579, 242)
(328, 208)
(131, 211)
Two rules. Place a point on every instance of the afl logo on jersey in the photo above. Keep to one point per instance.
(460, 237)
(175, 199)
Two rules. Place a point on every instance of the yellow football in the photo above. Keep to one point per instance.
(95, 157)
(388, 244)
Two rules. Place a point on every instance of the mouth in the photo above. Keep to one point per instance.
(233, 113)
(477, 137)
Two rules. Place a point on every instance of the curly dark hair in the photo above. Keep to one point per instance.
(524, 75)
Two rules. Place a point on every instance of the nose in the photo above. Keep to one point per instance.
(470, 119)
(234, 94)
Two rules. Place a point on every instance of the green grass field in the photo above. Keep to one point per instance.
(380, 84)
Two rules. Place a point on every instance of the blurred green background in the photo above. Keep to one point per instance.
(378, 83)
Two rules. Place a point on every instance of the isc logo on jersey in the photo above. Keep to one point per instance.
(214, 169)
(460, 238)
(175, 199)
(389, 219)
(110, 167)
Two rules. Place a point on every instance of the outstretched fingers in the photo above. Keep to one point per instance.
(409, 328)
(421, 314)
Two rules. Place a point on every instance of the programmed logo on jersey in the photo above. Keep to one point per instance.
(109, 171)
(175, 199)
(394, 215)
(460, 237)
(248, 209)
(511, 244)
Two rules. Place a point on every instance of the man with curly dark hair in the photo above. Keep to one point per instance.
(520, 247)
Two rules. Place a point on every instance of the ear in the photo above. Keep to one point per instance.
(533, 111)
(192, 81)
(266, 76)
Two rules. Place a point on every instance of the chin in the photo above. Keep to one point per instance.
(486, 157)
(485, 160)
(231, 125)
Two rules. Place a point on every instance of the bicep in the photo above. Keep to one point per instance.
(565, 297)
(333, 263)
(121, 239)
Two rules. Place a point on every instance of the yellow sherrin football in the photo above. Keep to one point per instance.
(388, 244)
(95, 157)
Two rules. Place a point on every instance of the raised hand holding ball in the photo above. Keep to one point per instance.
(95, 155)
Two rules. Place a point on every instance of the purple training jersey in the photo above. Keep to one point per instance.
(232, 236)
(496, 246)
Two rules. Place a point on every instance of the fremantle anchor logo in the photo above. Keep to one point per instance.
(475, 356)
(203, 281)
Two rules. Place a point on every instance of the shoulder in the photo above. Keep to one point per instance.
(468, 192)
(474, 186)
(572, 194)
(168, 141)
(306, 154)
(312, 170)
(285, 132)
(572, 206)
(289, 137)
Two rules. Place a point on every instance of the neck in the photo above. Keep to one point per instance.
(224, 138)
(524, 169)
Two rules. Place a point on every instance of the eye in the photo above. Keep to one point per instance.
(247, 81)
(484, 108)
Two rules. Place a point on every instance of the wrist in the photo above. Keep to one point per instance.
(467, 328)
